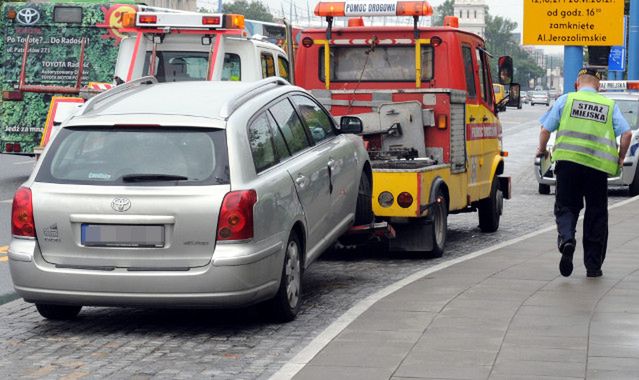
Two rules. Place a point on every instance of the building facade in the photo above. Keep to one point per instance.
(472, 15)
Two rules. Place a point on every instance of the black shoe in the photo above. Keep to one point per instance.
(565, 265)
(594, 273)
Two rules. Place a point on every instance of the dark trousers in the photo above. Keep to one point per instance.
(574, 184)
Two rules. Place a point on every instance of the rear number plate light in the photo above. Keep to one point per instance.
(120, 235)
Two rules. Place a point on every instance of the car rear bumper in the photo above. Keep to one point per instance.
(215, 285)
(625, 179)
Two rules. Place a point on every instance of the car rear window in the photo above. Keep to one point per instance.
(137, 156)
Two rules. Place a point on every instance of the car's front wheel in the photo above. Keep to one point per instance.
(286, 303)
(58, 312)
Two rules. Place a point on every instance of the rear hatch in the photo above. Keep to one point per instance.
(138, 198)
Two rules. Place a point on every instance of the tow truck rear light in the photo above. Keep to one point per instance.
(385, 199)
(22, 224)
(633, 85)
(211, 20)
(355, 22)
(236, 216)
(451, 21)
(12, 95)
(329, 9)
(404, 200)
(442, 121)
(148, 19)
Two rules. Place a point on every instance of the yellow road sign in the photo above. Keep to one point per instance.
(573, 22)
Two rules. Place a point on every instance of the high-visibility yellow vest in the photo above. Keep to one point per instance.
(586, 135)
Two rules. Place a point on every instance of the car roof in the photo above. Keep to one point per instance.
(193, 99)
(621, 95)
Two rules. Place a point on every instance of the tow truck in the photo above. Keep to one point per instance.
(424, 97)
(167, 44)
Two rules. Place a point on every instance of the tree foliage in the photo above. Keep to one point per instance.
(500, 41)
(445, 9)
(254, 10)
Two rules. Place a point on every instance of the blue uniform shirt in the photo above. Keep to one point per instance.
(550, 120)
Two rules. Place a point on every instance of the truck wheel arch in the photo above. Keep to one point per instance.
(438, 183)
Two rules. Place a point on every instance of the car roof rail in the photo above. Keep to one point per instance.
(91, 103)
(255, 89)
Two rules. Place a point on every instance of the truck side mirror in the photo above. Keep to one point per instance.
(514, 96)
(351, 124)
(505, 64)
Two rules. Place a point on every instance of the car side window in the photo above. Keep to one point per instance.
(283, 66)
(280, 145)
(316, 120)
(268, 65)
(290, 125)
(468, 70)
(262, 144)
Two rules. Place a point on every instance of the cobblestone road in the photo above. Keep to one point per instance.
(242, 344)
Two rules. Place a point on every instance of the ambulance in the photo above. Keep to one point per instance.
(424, 97)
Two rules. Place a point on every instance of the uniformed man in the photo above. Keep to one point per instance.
(585, 154)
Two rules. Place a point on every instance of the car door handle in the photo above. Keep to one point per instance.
(300, 181)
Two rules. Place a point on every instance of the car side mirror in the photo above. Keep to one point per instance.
(351, 124)
(514, 96)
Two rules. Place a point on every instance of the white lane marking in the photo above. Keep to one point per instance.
(7, 201)
(300, 360)
(24, 163)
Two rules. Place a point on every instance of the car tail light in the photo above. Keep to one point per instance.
(404, 200)
(22, 224)
(236, 216)
(211, 20)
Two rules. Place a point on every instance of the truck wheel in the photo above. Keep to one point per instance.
(364, 209)
(439, 225)
(490, 209)
(286, 303)
(544, 189)
(58, 312)
(633, 189)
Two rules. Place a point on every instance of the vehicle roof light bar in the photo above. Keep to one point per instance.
(355, 8)
(619, 85)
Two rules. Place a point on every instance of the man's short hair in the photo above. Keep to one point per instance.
(589, 71)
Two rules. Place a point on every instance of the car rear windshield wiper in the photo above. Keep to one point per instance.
(152, 177)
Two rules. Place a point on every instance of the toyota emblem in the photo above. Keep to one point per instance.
(28, 16)
(121, 204)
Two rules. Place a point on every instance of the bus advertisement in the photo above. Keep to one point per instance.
(59, 38)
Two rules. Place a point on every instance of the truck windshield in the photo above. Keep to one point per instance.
(384, 64)
(178, 66)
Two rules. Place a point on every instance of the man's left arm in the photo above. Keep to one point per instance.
(623, 130)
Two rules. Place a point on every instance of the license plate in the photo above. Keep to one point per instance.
(119, 235)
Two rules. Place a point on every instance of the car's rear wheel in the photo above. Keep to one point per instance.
(633, 189)
(58, 312)
(286, 303)
(364, 208)
(490, 209)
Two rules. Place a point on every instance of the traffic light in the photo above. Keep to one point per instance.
(598, 55)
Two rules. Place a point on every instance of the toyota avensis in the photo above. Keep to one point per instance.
(214, 194)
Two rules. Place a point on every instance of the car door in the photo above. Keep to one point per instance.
(308, 167)
(342, 163)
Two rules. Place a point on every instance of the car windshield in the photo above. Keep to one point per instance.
(630, 110)
(143, 156)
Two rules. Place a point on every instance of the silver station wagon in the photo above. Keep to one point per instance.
(213, 194)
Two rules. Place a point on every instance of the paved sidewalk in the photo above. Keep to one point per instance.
(502, 315)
